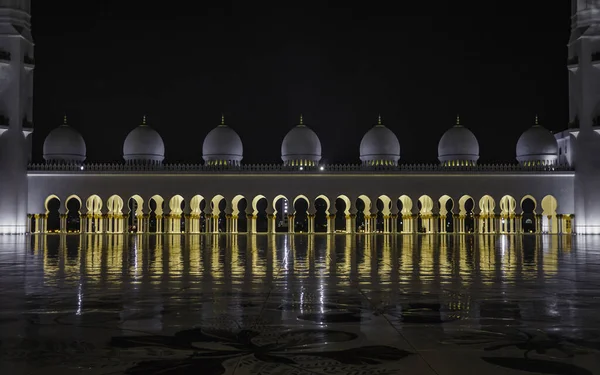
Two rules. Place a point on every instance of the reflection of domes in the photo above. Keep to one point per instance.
(458, 146)
(64, 144)
(301, 146)
(222, 146)
(380, 146)
(144, 144)
(537, 146)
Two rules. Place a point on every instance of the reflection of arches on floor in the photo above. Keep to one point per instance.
(52, 205)
(529, 221)
(549, 216)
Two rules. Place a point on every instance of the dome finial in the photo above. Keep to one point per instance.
(379, 119)
(301, 120)
(537, 122)
(457, 119)
(144, 120)
(65, 120)
(222, 119)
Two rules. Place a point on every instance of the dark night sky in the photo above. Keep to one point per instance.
(106, 63)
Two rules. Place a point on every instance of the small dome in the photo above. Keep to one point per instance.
(537, 146)
(301, 146)
(380, 146)
(458, 146)
(64, 144)
(144, 144)
(222, 146)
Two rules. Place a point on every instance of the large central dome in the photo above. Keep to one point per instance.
(537, 146)
(222, 146)
(458, 146)
(301, 146)
(143, 145)
(380, 146)
(65, 145)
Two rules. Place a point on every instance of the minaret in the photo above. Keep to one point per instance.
(584, 111)
(16, 104)
(584, 62)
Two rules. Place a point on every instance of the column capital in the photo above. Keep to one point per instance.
(394, 216)
(351, 216)
(249, 216)
(331, 216)
(270, 216)
(311, 216)
(228, 216)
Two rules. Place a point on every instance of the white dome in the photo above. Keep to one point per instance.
(144, 144)
(537, 145)
(222, 146)
(301, 146)
(380, 146)
(458, 146)
(64, 144)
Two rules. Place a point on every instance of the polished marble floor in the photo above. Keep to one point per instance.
(300, 305)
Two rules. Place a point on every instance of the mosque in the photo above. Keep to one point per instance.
(551, 187)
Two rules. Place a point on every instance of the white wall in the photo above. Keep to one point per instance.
(496, 184)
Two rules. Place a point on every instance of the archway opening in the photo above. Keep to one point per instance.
(73, 216)
(320, 215)
(341, 211)
(262, 220)
(420, 227)
(282, 214)
(152, 216)
(360, 215)
(157, 204)
(53, 218)
(469, 215)
(449, 216)
(400, 219)
(222, 219)
(528, 220)
(381, 207)
(182, 216)
(132, 222)
(300, 215)
(242, 220)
